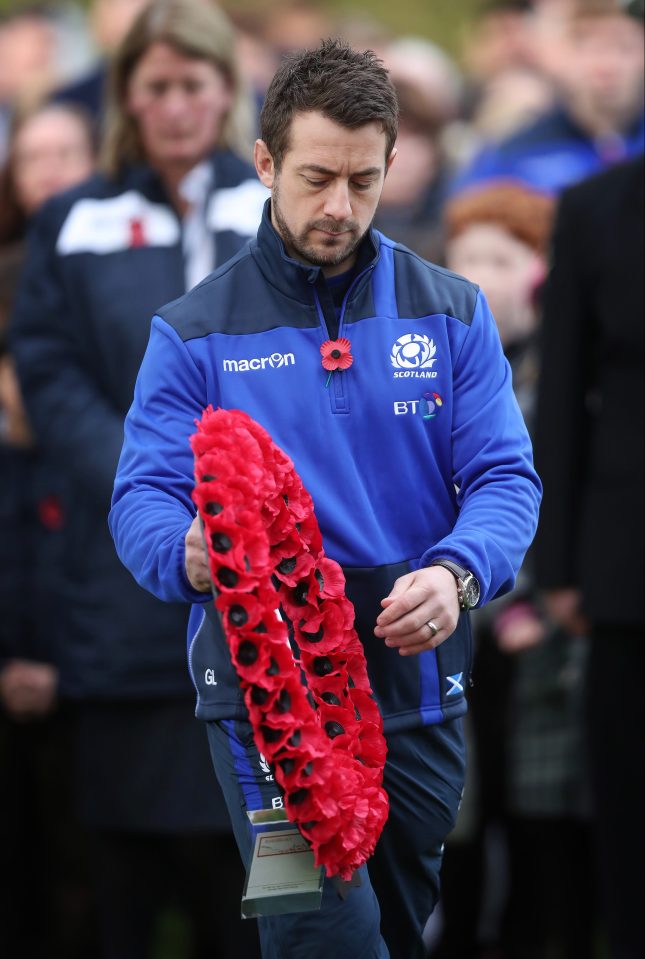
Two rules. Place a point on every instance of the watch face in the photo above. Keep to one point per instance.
(471, 592)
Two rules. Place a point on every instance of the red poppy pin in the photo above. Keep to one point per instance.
(336, 355)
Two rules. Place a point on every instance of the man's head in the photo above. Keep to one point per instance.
(602, 72)
(328, 124)
(498, 39)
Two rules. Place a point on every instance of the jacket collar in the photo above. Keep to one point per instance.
(294, 279)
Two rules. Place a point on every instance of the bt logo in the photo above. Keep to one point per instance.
(428, 406)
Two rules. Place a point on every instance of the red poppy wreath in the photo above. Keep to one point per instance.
(303, 670)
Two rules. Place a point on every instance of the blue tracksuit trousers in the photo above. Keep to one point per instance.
(384, 917)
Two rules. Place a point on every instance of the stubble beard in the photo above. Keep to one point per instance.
(298, 245)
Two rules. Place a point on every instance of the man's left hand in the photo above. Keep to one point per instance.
(428, 595)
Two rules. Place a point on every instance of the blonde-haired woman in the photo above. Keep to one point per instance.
(174, 199)
(163, 38)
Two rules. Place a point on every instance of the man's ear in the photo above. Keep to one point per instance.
(264, 164)
(390, 159)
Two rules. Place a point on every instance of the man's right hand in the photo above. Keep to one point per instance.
(197, 558)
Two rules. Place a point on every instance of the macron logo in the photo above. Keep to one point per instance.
(275, 361)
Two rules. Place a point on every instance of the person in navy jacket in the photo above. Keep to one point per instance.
(599, 119)
(416, 457)
(173, 200)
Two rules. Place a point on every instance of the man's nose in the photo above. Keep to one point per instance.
(337, 203)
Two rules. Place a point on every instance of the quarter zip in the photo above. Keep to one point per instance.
(338, 384)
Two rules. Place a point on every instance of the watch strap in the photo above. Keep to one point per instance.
(465, 580)
(459, 572)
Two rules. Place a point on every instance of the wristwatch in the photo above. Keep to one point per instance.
(468, 591)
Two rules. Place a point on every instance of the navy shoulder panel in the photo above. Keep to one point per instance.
(423, 288)
(236, 299)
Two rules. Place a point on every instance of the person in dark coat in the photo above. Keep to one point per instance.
(173, 200)
(589, 548)
(46, 904)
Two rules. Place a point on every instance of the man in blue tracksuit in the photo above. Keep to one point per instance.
(416, 457)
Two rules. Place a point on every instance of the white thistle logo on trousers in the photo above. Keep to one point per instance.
(413, 355)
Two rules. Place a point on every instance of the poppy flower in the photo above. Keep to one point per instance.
(301, 601)
(297, 499)
(339, 724)
(331, 689)
(335, 615)
(240, 610)
(372, 748)
(290, 706)
(250, 656)
(318, 667)
(281, 662)
(279, 522)
(336, 354)
(302, 772)
(366, 706)
(332, 578)
(291, 569)
(309, 534)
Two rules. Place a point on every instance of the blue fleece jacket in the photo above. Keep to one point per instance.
(418, 451)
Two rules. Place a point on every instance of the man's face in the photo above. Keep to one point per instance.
(179, 104)
(325, 195)
(604, 69)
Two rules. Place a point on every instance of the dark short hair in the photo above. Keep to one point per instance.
(346, 86)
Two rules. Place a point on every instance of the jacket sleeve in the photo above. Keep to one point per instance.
(71, 416)
(498, 490)
(152, 507)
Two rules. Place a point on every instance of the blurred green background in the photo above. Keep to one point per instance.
(442, 21)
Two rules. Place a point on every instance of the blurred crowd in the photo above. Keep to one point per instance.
(126, 131)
